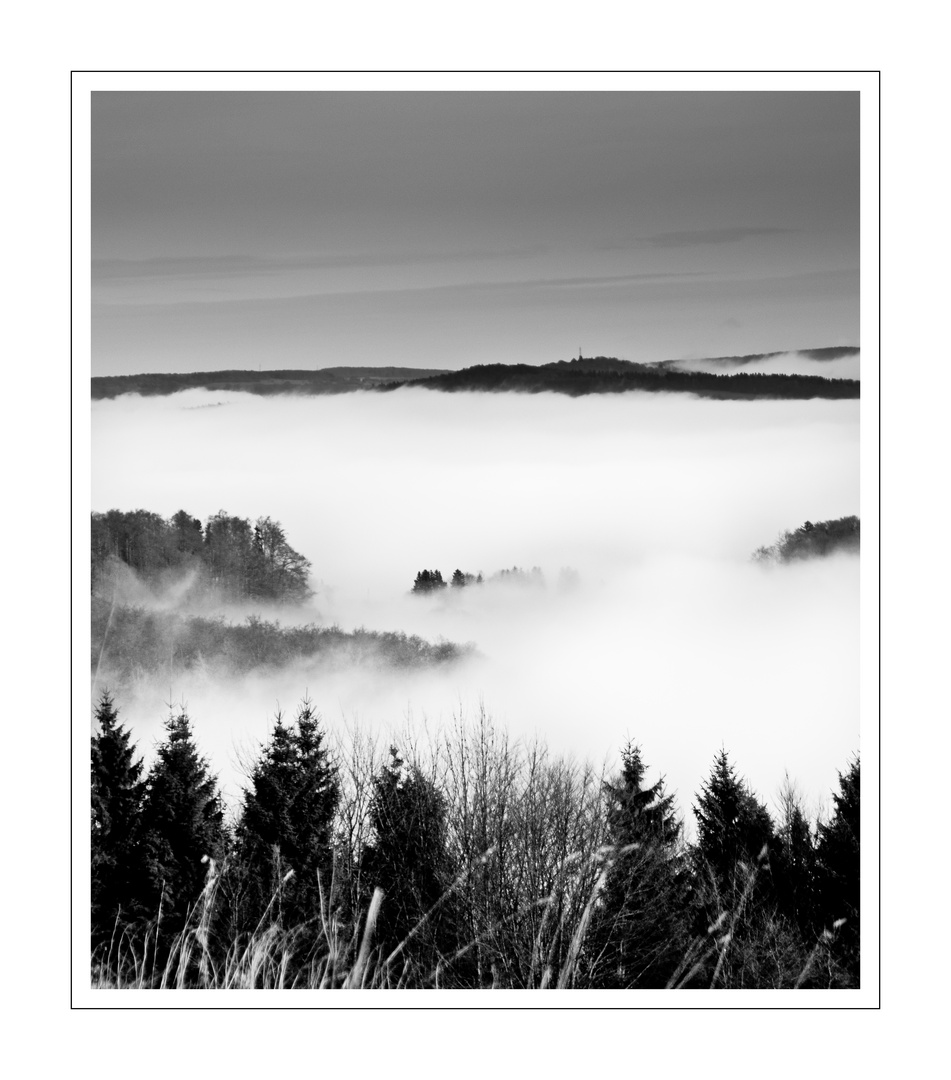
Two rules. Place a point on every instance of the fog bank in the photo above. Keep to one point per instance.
(792, 363)
(672, 637)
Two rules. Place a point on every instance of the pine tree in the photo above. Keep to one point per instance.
(287, 820)
(117, 792)
(793, 863)
(183, 823)
(637, 935)
(735, 926)
(409, 861)
(839, 869)
(733, 828)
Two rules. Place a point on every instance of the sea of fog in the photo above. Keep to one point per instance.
(672, 637)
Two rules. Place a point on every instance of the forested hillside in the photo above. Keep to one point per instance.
(132, 641)
(588, 375)
(339, 380)
(814, 540)
(474, 861)
(607, 375)
(229, 555)
(152, 578)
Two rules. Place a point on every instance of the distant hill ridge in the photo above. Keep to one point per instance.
(335, 380)
(581, 376)
(609, 375)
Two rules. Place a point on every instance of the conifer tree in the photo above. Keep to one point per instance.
(839, 868)
(793, 863)
(733, 901)
(287, 820)
(733, 827)
(117, 792)
(637, 935)
(183, 823)
(409, 861)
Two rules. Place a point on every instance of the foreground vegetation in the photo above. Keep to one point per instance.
(471, 861)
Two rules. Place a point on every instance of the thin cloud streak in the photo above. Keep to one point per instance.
(688, 238)
(506, 287)
(198, 266)
(693, 237)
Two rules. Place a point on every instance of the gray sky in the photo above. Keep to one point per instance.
(446, 229)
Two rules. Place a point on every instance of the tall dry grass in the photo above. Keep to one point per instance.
(740, 949)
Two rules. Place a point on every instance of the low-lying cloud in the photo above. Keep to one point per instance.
(790, 363)
(672, 637)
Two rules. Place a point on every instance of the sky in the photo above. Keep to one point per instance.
(437, 229)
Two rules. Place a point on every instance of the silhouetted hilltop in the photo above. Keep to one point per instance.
(587, 375)
(599, 363)
(607, 375)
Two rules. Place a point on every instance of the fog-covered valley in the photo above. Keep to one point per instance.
(667, 633)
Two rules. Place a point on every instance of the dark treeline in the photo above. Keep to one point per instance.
(338, 380)
(607, 375)
(814, 539)
(128, 642)
(231, 560)
(236, 559)
(473, 862)
(588, 375)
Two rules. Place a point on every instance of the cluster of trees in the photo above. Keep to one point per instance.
(428, 581)
(814, 539)
(516, 575)
(607, 375)
(237, 559)
(130, 642)
(432, 580)
(474, 862)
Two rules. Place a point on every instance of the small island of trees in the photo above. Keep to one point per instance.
(814, 540)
